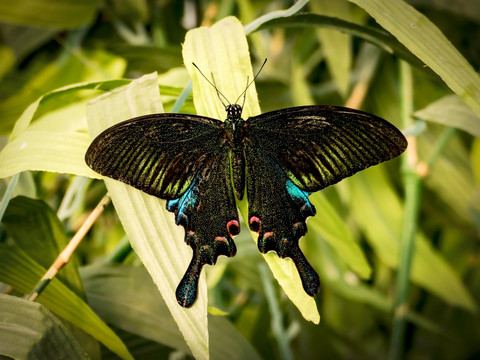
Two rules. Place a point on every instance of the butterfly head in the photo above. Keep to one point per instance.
(234, 111)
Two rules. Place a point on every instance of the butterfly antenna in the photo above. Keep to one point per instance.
(244, 93)
(219, 94)
(218, 91)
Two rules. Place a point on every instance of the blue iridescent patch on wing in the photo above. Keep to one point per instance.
(185, 204)
(299, 196)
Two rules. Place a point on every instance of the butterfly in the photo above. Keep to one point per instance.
(277, 159)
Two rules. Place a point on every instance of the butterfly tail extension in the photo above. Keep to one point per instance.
(309, 277)
(204, 252)
(187, 289)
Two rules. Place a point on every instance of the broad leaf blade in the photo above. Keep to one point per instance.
(336, 45)
(37, 230)
(329, 224)
(48, 14)
(129, 291)
(378, 213)
(29, 331)
(22, 272)
(39, 144)
(451, 111)
(151, 229)
(428, 43)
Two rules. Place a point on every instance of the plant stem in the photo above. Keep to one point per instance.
(8, 194)
(277, 323)
(412, 187)
(64, 257)
(187, 90)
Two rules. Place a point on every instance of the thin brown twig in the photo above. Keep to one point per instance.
(65, 256)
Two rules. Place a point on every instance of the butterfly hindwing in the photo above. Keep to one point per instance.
(277, 211)
(158, 154)
(317, 146)
(209, 215)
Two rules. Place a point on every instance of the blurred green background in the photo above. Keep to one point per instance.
(333, 53)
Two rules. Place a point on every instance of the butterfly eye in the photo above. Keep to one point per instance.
(233, 227)
(255, 224)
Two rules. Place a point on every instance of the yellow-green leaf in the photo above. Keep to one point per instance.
(150, 227)
(334, 230)
(22, 272)
(336, 46)
(451, 111)
(377, 209)
(56, 141)
(49, 14)
(427, 42)
(30, 331)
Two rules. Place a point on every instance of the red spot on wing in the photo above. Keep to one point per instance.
(221, 238)
(233, 227)
(255, 224)
(267, 234)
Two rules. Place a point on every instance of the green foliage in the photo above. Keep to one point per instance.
(31, 331)
(69, 69)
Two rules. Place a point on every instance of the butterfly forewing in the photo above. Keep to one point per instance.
(158, 154)
(317, 146)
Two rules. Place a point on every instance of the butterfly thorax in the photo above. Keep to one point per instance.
(234, 124)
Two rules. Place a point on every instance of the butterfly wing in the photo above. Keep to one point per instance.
(208, 213)
(293, 152)
(158, 154)
(317, 146)
(277, 211)
(185, 160)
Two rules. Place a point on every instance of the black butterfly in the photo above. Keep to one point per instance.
(198, 164)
